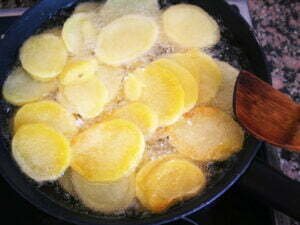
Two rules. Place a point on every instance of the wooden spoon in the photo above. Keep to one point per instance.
(266, 113)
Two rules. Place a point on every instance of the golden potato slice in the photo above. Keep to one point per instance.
(86, 7)
(204, 69)
(107, 151)
(138, 113)
(126, 39)
(190, 26)
(186, 79)
(19, 88)
(41, 152)
(49, 113)
(107, 198)
(206, 134)
(224, 97)
(86, 99)
(78, 70)
(66, 182)
(43, 56)
(164, 182)
(79, 33)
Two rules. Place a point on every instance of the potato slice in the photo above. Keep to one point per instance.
(78, 70)
(41, 152)
(86, 99)
(107, 198)
(206, 134)
(108, 151)
(125, 39)
(87, 7)
(132, 88)
(66, 182)
(49, 113)
(79, 33)
(224, 97)
(138, 113)
(204, 69)
(164, 182)
(190, 26)
(186, 79)
(43, 56)
(19, 88)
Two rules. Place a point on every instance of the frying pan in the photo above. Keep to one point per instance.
(244, 50)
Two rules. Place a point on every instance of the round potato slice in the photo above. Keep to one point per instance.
(43, 56)
(66, 182)
(186, 79)
(164, 182)
(126, 39)
(107, 151)
(107, 198)
(205, 71)
(224, 97)
(41, 152)
(190, 26)
(86, 99)
(78, 70)
(206, 134)
(86, 7)
(19, 88)
(49, 113)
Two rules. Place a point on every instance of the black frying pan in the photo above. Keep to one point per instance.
(243, 50)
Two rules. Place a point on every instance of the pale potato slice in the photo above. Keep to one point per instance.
(204, 69)
(190, 26)
(66, 182)
(224, 97)
(186, 79)
(47, 112)
(108, 151)
(87, 7)
(78, 70)
(19, 88)
(138, 113)
(79, 33)
(86, 99)
(125, 39)
(41, 152)
(206, 134)
(43, 56)
(107, 198)
(164, 182)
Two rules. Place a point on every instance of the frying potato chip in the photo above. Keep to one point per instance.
(206, 134)
(107, 151)
(224, 97)
(125, 39)
(204, 69)
(19, 88)
(43, 56)
(66, 182)
(164, 182)
(107, 198)
(86, 7)
(49, 113)
(86, 99)
(190, 26)
(41, 152)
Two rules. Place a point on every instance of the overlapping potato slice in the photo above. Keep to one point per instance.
(41, 152)
(66, 182)
(204, 69)
(86, 99)
(80, 33)
(161, 91)
(190, 26)
(78, 70)
(107, 198)
(43, 56)
(125, 39)
(166, 181)
(86, 7)
(47, 112)
(186, 79)
(224, 97)
(138, 113)
(107, 151)
(19, 88)
(206, 134)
